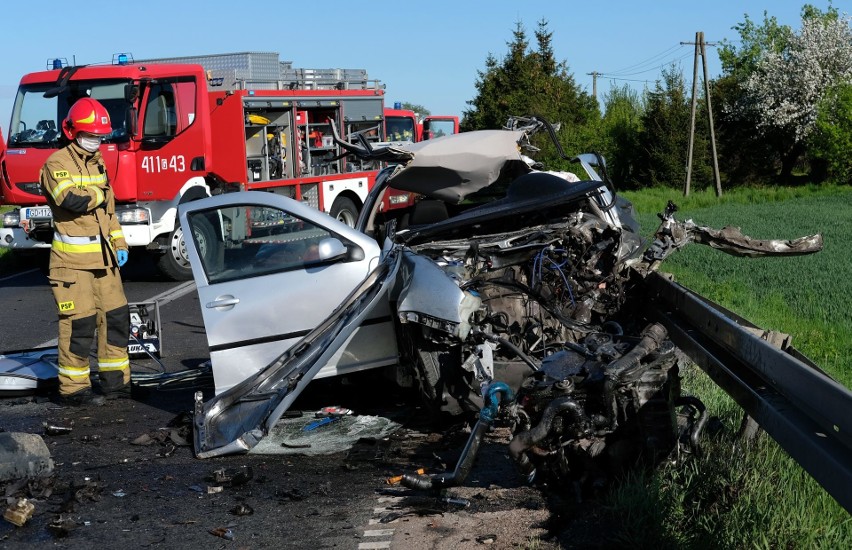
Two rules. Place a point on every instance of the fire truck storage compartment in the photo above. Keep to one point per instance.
(317, 153)
(267, 132)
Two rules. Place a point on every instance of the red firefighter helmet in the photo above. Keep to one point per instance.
(87, 115)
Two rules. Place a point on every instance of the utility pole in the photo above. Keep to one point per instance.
(594, 75)
(700, 50)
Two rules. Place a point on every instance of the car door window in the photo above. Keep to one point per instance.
(250, 241)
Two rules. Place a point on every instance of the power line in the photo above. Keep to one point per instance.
(657, 68)
(653, 59)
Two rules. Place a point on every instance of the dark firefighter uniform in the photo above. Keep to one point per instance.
(84, 271)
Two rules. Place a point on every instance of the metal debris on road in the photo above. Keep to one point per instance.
(51, 429)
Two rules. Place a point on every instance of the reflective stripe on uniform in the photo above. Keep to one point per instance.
(74, 372)
(83, 180)
(80, 181)
(76, 245)
(113, 364)
(99, 194)
(62, 186)
(118, 234)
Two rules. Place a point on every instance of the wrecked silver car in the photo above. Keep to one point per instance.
(497, 289)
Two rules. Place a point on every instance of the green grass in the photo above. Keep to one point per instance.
(751, 496)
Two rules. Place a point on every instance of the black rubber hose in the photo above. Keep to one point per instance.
(703, 415)
(495, 393)
(630, 365)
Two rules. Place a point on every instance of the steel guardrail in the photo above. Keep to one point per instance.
(806, 411)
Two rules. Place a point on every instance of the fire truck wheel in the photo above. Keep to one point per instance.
(344, 210)
(175, 262)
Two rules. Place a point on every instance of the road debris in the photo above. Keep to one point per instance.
(395, 480)
(20, 512)
(332, 411)
(231, 477)
(486, 539)
(54, 429)
(61, 526)
(318, 423)
(222, 532)
(242, 510)
(23, 455)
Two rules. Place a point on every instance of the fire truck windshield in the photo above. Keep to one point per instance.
(37, 120)
(439, 128)
(400, 128)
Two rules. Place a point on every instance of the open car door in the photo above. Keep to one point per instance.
(269, 270)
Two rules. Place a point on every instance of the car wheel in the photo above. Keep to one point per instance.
(344, 210)
(174, 264)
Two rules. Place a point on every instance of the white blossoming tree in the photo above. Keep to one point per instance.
(788, 86)
(779, 79)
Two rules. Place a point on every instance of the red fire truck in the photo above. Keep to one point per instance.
(186, 130)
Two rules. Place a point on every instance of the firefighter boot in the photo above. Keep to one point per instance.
(120, 393)
(82, 398)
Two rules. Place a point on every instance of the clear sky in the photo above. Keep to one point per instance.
(427, 53)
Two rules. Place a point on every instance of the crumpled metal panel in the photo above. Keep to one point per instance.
(451, 168)
(237, 419)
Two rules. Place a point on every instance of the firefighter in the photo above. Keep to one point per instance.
(88, 249)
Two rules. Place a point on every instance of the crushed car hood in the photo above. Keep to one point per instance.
(452, 167)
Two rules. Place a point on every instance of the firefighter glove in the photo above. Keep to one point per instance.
(122, 257)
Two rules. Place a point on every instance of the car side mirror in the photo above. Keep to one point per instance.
(331, 249)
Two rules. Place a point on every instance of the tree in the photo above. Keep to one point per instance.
(787, 87)
(832, 141)
(419, 109)
(665, 135)
(622, 127)
(532, 82)
(745, 155)
(778, 78)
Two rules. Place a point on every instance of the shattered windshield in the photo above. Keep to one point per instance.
(37, 120)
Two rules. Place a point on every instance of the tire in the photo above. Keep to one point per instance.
(174, 264)
(344, 210)
(444, 386)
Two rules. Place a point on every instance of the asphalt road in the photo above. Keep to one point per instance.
(110, 490)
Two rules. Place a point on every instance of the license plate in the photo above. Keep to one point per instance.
(36, 212)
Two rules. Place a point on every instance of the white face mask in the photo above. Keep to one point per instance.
(90, 144)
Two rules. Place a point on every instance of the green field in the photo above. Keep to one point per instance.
(756, 496)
